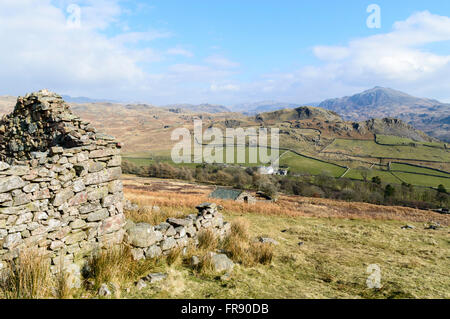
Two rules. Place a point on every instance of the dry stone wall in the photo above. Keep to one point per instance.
(60, 188)
(61, 193)
(153, 241)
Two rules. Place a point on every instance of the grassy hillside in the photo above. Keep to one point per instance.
(418, 170)
(303, 165)
(371, 149)
(396, 140)
(423, 180)
(331, 263)
(324, 255)
(386, 176)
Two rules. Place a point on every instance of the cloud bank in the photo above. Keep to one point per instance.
(40, 49)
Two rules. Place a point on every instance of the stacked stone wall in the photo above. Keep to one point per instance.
(61, 193)
(60, 187)
(153, 241)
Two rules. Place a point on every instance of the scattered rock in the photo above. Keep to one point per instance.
(268, 240)
(433, 226)
(141, 284)
(137, 253)
(225, 277)
(156, 277)
(195, 261)
(104, 291)
(221, 262)
(128, 205)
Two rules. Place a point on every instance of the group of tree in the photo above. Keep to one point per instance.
(371, 191)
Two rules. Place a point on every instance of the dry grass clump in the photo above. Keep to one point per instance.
(262, 253)
(207, 240)
(240, 228)
(27, 277)
(174, 256)
(243, 250)
(205, 267)
(62, 288)
(115, 265)
(147, 214)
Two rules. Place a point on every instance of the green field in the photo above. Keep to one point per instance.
(297, 164)
(143, 159)
(423, 180)
(386, 177)
(418, 170)
(304, 165)
(372, 149)
(395, 140)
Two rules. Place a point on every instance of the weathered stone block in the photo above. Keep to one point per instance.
(153, 252)
(78, 199)
(11, 182)
(74, 238)
(12, 240)
(168, 243)
(142, 235)
(63, 196)
(180, 222)
(112, 224)
(98, 215)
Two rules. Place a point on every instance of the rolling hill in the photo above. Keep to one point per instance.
(428, 115)
(314, 138)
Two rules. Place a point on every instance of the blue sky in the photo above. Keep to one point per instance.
(224, 52)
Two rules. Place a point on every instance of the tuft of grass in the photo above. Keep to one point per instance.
(240, 229)
(207, 240)
(62, 288)
(242, 250)
(27, 277)
(205, 267)
(115, 265)
(174, 256)
(262, 253)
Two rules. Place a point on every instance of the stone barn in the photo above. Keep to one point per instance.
(233, 194)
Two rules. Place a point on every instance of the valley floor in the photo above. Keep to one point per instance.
(324, 248)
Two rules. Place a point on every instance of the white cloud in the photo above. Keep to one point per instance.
(224, 87)
(398, 59)
(181, 52)
(137, 37)
(221, 62)
(39, 50)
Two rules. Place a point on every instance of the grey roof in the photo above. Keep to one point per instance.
(224, 193)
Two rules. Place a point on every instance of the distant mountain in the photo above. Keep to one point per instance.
(300, 113)
(83, 100)
(200, 108)
(331, 123)
(266, 106)
(428, 115)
